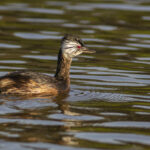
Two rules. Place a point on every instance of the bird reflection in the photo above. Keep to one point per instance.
(64, 107)
(62, 134)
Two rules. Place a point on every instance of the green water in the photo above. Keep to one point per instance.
(108, 107)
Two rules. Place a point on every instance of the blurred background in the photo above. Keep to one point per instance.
(108, 106)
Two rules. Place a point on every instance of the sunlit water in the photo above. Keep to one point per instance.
(108, 106)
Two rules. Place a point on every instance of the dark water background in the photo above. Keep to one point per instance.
(108, 106)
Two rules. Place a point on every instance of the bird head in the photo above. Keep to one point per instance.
(72, 46)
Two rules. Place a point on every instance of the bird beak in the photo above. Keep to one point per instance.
(86, 50)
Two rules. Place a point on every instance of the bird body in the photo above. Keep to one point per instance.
(32, 83)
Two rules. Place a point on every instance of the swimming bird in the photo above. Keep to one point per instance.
(32, 83)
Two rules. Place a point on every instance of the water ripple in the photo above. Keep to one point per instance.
(114, 138)
(123, 7)
(74, 117)
(40, 57)
(31, 122)
(36, 36)
(2, 45)
(126, 124)
(38, 146)
(140, 35)
(41, 20)
(104, 27)
(27, 9)
(12, 61)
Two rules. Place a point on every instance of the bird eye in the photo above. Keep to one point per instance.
(78, 46)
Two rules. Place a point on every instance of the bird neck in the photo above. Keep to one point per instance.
(63, 68)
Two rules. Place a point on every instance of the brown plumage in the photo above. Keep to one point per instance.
(32, 83)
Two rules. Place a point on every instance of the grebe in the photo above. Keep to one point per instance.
(32, 83)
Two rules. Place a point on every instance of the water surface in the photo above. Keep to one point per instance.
(108, 106)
